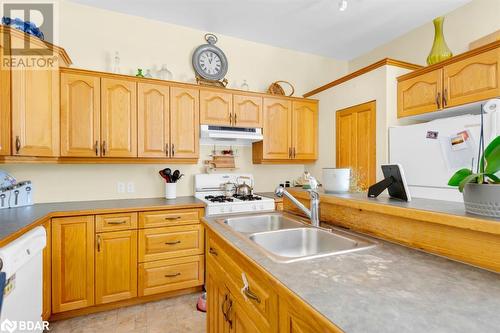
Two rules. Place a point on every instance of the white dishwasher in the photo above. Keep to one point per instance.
(23, 264)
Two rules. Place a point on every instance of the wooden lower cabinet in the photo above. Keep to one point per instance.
(166, 275)
(267, 305)
(115, 266)
(72, 263)
(95, 266)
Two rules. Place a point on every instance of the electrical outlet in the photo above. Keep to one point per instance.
(130, 187)
(120, 187)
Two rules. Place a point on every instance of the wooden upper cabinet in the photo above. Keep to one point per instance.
(35, 112)
(115, 266)
(276, 129)
(118, 118)
(304, 130)
(216, 108)
(80, 115)
(472, 79)
(72, 263)
(247, 111)
(4, 105)
(184, 122)
(153, 118)
(420, 94)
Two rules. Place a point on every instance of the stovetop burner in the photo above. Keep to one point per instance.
(218, 198)
(249, 197)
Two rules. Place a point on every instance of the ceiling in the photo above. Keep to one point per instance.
(312, 26)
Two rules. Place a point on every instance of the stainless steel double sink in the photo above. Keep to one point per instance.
(285, 238)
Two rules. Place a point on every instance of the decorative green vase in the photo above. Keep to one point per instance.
(440, 50)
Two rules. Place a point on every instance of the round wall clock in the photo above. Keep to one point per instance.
(209, 62)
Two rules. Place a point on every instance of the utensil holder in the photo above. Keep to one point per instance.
(170, 190)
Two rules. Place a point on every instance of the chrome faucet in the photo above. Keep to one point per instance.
(313, 213)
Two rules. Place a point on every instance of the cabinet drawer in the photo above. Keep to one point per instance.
(165, 218)
(263, 302)
(115, 222)
(170, 242)
(167, 275)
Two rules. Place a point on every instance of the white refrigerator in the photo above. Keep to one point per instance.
(430, 152)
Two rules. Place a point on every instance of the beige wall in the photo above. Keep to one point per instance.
(379, 85)
(91, 36)
(461, 26)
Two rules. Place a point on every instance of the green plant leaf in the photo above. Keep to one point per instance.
(460, 175)
(492, 156)
(493, 178)
(469, 179)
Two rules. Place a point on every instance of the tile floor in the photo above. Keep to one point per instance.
(173, 315)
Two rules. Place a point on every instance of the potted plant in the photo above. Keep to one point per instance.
(481, 190)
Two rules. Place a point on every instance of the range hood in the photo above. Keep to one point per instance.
(226, 135)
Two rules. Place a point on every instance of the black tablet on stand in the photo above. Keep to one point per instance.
(394, 181)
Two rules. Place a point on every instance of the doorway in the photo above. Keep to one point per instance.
(356, 142)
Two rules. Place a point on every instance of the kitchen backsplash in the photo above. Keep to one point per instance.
(75, 182)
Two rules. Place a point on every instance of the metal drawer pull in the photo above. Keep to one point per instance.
(117, 222)
(246, 289)
(96, 148)
(172, 275)
(18, 144)
(172, 217)
(445, 97)
(98, 243)
(438, 100)
(173, 243)
(212, 251)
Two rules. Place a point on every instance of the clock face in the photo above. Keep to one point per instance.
(210, 63)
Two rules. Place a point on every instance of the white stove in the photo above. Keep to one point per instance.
(208, 189)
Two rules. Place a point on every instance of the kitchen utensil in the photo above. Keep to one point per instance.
(243, 189)
(175, 176)
(228, 189)
(164, 176)
(336, 180)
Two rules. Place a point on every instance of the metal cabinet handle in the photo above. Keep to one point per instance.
(290, 152)
(235, 119)
(212, 251)
(117, 222)
(230, 118)
(251, 295)
(173, 150)
(173, 243)
(104, 148)
(172, 217)
(228, 313)
(445, 97)
(166, 149)
(294, 152)
(438, 100)
(172, 275)
(18, 144)
(223, 307)
(96, 148)
(98, 243)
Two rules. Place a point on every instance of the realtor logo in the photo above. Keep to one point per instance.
(8, 326)
(24, 326)
(35, 15)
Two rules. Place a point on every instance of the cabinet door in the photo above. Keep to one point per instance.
(247, 111)
(297, 318)
(47, 274)
(304, 130)
(72, 263)
(217, 303)
(4, 105)
(239, 320)
(356, 142)
(35, 112)
(215, 108)
(184, 122)
(118, 118)
(153, 119)
(420, 94)
(116, 266)
(80, 115)
(276, 130)
(473, 79)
